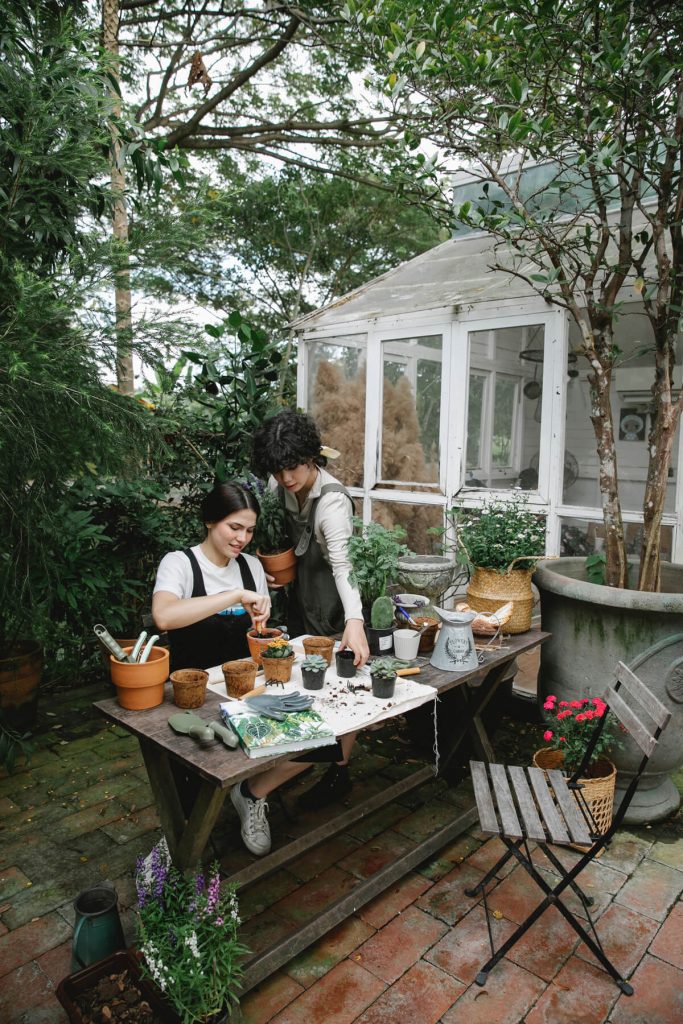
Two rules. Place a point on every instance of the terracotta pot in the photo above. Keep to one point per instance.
(598, 785)
(281, 566)
(139, 687)
(259, 641)
(428, 638)
(20, 675)
(189, 687)
(278, 670)
(239, 677)
(322, 645)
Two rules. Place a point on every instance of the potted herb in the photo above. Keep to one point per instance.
(273, 547)
(313, 669)
(383, 674)
(187, 936)
(568, 728)
(373, 553)
(501, 543)
(278, 659)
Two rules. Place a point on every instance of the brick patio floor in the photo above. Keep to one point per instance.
(82, 812)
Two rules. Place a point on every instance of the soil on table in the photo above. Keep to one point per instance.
(116, 998)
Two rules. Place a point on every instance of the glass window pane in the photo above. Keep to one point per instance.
(581, 537)
(416, 520)
(505, 403)
(336, 398)
(631, 408)
(411, 409)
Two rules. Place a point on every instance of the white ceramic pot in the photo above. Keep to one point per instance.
(406, 643)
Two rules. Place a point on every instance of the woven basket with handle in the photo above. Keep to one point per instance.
(598, 788)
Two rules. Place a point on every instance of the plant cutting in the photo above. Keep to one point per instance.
(273, 547)
(187, 935)
(500, 543)
(373, 552)
(313, 669)
(278, 659)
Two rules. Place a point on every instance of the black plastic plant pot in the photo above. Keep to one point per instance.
(345, 666)
(380, 641)
(383, 688)
(312, 680)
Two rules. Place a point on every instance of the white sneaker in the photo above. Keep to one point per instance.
(255, 829)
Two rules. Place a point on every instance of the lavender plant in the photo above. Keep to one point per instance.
(187, 934)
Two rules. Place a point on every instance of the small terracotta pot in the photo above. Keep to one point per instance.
(278, 670)
(281, 566)
(322, 645)
(428, 638)
(189, 687)
(139, 687)
(239, 677)
(259, 641)
(344, 663)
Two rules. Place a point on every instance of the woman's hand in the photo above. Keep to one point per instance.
(258, 606)
(354, 638)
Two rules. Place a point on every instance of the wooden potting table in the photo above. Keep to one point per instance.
(217, 769)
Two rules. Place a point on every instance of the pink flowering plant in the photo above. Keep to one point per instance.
(570, 725)
(187, 935)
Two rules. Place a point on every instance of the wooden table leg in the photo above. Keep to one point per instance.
(186, 837)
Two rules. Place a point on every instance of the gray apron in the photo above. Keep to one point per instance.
(314, 603)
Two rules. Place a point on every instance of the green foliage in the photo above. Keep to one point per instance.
(12, 743)
(382, 613)
(187, 934)
(314, 663)
(374, 552)
(595, 568)
(270, 535)
(494, 536)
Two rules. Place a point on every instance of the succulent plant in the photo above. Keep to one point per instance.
(382, 613)
(314, 663)
(280, 648)
(385, 668)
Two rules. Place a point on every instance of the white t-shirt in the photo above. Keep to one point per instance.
(174, 575)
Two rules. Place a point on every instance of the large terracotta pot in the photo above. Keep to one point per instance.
(20, 676)
(259, 641)
(593, 627)
(140, 687)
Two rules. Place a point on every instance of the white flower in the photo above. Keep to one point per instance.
(191, 941)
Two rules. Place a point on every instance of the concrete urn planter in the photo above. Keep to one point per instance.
(593, 627)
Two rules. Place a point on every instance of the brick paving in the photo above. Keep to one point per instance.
(81, 811)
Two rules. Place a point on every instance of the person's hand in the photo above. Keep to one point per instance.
(258, 606)
(270, 580)
(354, 638)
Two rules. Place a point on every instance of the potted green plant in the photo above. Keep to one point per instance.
(501, 543)
(313, 669)
(273, 547)
(383, 675)
(380, 632)
(187, 935)
(373, 552)
(278, 659)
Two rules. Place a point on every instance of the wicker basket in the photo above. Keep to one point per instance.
(598, 788)
(322, 645)
(239, 676)
(278, 670)
(189, 687)
(488, 590)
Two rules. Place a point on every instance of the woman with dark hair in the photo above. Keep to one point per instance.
(208, 596)
(319, 512)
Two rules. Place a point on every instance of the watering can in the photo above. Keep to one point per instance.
(455, 650)
(97, 928)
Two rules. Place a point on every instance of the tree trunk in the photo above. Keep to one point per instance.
(660, 444)
(122, 297)
(601, 417)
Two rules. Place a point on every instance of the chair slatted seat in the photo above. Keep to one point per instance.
(520, 805)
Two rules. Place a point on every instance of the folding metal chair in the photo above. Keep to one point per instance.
(522, 804)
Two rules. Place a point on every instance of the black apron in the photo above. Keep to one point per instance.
(314, 603)
(216, 639)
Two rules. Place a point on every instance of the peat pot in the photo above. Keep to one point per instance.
(593, 627)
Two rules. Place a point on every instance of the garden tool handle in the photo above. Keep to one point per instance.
(407, 671)
(255, 692)
(103, 634)
(138, 646)
(148, 649)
